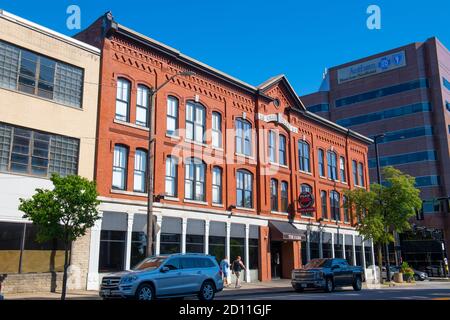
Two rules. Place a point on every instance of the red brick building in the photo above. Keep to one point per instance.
(231, 160)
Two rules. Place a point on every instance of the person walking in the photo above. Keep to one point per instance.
(237, 267)
(225, 267)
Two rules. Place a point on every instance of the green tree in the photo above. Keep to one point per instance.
(64, 213)
(385, 208)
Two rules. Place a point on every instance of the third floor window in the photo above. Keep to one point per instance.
(195, 122)
(172, 116)
(332, 165)
(304, 156)
(123, 99)
(216, 130)
(243, 137)
(142, 103)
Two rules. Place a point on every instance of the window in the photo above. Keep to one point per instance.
(355, 174)
(332, 166)
(323, 201)
(346, 209)
(426, 181)
(342, 169)
(171, 176)
(284, 196)
(172, 116)
(319, 108)
(406, 134)
(170, 243)
(360, 174)
(138, 247)
(217, 185)
(243, 137)
(120, 167)
(123, 99)
(378, 93)
(142, 103)
(140, 170)
(446, 83)
(194, 183)
(35, 74)
(112, 251)
(321, 163)
(334, 205)
(244, 189)
(195, 122)
(195, 243)
(429, 155)
(216, 130)
(282, 151)
(273, 195)
(272, 146)
(303, 156)
(385, 114)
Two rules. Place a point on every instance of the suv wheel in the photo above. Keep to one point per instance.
(207, 291)
(145, 292)
(329, 285)
(357, 284)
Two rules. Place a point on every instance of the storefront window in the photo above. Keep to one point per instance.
(304, 254)
(195, 243)
(253, 253)
(314, 245)
(349, 249)
(10, 245)
(217, 247)
(326, 245)
(170, 243)
(112, 251)
(338, 246)
(368, 254)
(138, 247)
(237, 246)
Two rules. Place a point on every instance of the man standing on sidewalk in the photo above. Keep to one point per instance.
(224, 266)
(237, 267)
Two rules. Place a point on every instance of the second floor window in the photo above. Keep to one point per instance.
(171, 176)
(335, 206)
(120, 167)
(244, 189)
(194, 183)
(217, 185)
(216, 133)
(332, 165)
(282, 151)
(323, 202)
(123, 99)
(243, 137)
(272, 146)
(142, 104)
(273, 195)
(342, 169)
(284, 197)
(195, 122)
(172, 116)
(321, 163)
(360, 174)
(140, 170)
(303, 156)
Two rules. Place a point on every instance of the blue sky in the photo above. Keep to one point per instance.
(254, 40)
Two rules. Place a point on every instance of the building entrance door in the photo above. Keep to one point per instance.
(275, 254)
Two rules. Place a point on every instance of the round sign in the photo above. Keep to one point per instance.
(306, 199)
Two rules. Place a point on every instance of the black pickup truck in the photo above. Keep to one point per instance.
(327, 274)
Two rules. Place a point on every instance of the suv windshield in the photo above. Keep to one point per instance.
(318, 263)
(150, 263)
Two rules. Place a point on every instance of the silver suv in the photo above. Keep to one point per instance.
(176, 275)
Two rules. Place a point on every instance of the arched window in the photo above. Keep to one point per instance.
(140, 170)
(273, 195)
(332, 165)
(323, 203)
(217, 185)
(216, 130)
(284, 196)
(243, 137)
(282, 150)
(304, 156)
(342, 169)
(195, 122)
(172, 116)
(142, 103)
(272, 137)
(321, 163)
(194, 180)
(171, 176)
(361, 174)
(335, 205)
(244, 189)
(123, 99)
(120, 162)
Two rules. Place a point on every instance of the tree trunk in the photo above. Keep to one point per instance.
(66, 265)
(380, 261)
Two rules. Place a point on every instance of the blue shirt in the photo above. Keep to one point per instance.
(224, 265)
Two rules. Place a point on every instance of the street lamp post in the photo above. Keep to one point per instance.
(375, 139)
(150, 162)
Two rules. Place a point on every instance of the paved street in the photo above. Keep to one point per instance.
(428, 290)
(281, 290)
